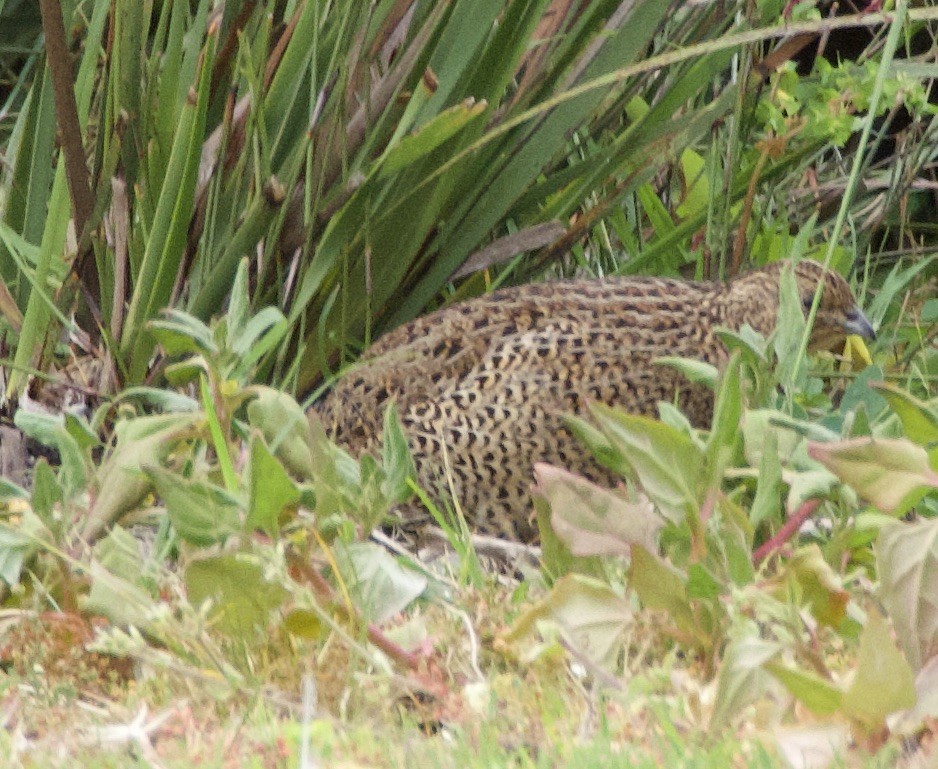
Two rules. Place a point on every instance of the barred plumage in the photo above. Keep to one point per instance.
(485, 382)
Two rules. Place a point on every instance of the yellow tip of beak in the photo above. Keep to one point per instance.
(856, 351)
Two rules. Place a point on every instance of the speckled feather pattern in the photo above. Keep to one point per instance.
(481, 386)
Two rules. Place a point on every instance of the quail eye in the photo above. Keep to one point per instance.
(807, 302)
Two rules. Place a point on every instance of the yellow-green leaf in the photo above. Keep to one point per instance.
(893, 474)
(883, 683)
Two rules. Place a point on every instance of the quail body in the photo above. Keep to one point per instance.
(481, 387)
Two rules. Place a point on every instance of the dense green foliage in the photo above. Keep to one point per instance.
(261, 189)
(364, 154)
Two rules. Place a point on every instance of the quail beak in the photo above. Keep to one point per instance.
(857, 323)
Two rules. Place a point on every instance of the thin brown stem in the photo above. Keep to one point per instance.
(70, 135)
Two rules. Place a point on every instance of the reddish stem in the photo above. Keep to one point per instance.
(788, 530)
(319, 583)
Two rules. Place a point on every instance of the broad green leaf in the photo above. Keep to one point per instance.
(919, 420)
(861, 394)
(696, 184)
(766, 504)
(892, 474)
(259, 334)
(120, 600)
(165, 400)
(121, 553)
(47, 493)
(872, 522)
(810, 484)
(587, 613)
(636, 108)
(818, 694)
(242, 599)
(599, 446)
(821, 587)
(694, 370)
(742, 679)
(304, 624)
(396, 461)
(187, 371)
(591, 520)
(907, 565)
(51, 431)
(179, 333)
(732, 541)
(10, 491)
(666, 462)
(701, 583)
(803, 428)
(121, 481)
(19, 542)
(271, 490)
(926, 702)
(724, 433)
(556, 558)
(672, 416)
(285, 429)
(379, 585)
(659, 585)
(790, 444)
(82, 433)
(748, 342)
(883, 682)
(326, 470)
(789, 331)
(200, 512)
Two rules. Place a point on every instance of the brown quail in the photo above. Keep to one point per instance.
(489, 379)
